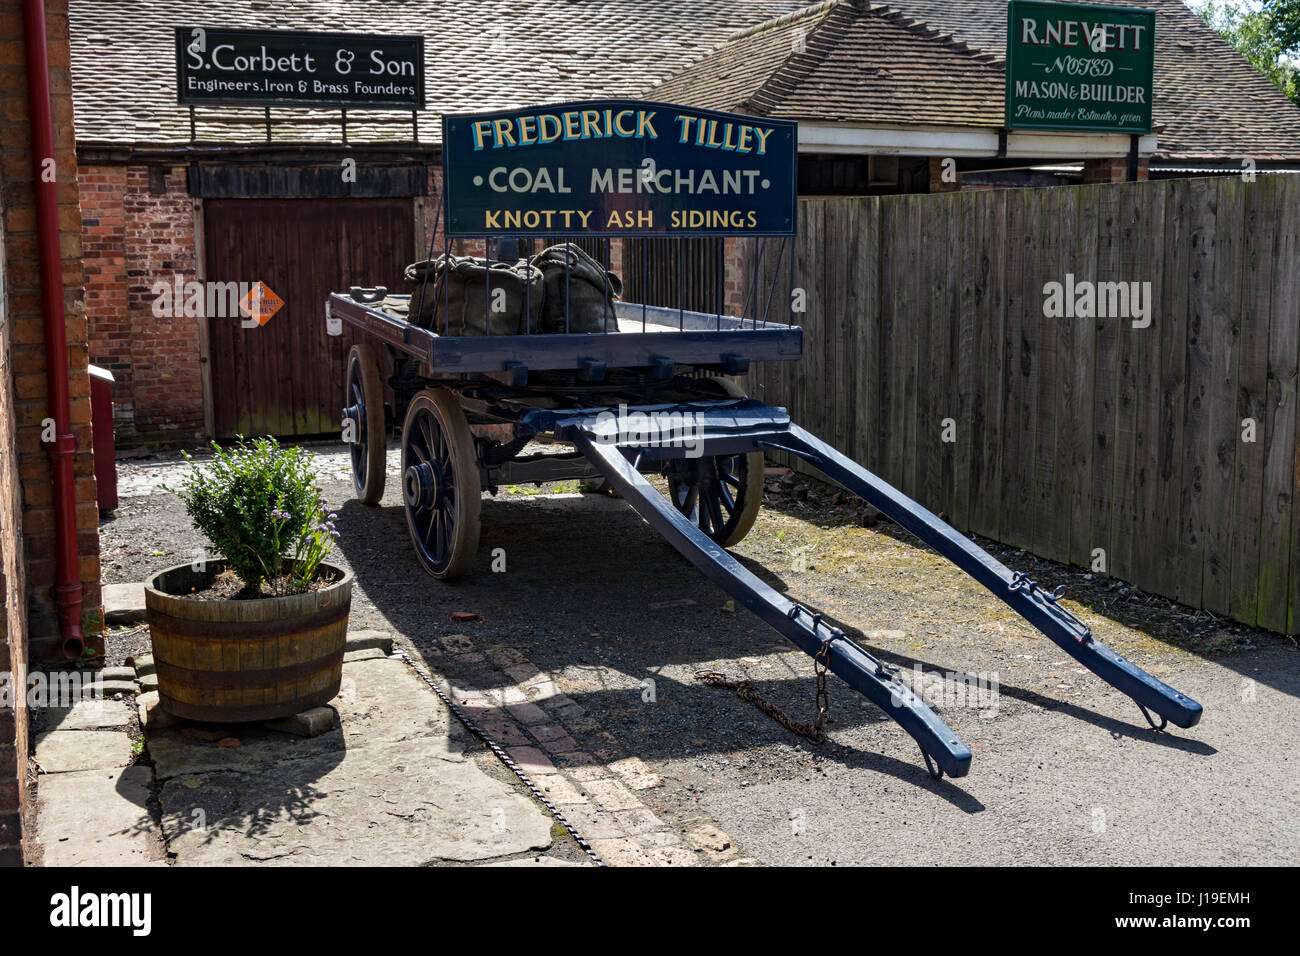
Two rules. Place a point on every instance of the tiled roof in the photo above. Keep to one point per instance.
(845, 62)
(933, 62)
(1211, 102)
(480, 54)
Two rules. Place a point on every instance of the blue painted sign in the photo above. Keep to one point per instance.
(618, 168)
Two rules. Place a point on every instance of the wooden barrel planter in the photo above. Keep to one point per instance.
(233, 661)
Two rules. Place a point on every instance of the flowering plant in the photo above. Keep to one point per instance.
(259, 506)
(312, 547)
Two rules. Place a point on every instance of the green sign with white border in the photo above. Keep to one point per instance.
(1079, 67)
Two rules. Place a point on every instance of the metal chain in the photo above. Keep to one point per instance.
(745, 691)
(500, 754)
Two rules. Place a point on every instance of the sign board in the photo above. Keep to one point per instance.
(618, 168)
(284, 68)
(1079, 67)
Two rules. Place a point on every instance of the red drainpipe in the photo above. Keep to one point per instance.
(67, 589)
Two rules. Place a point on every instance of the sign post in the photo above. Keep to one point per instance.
(618, 168)
(1079, 67)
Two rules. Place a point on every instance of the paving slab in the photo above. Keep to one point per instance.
(381, 700)
(392, 803)
(98, 818)
(370, 639)
(65, 751)
(88, 715)
(124, 603)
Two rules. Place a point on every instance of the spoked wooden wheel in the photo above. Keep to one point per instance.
(721, 494)
(440, 483)
(363, 417)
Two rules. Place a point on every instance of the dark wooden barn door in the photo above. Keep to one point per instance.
(285, 377)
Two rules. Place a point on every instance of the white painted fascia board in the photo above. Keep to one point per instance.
(962, 141)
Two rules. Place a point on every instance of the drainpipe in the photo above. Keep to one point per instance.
(67, 589)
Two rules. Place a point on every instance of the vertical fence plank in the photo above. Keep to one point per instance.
(973, 263)
(1051, 529)
(1079, 447)
(841, 296)
(1260, 220)
(1168, 538)
(895, 316)
(1202, 207)
(817, 325)
(987, 494)
(1151, 496)
(1225, 424)
(865, 282)
(945, 378)
(1065, 398)
(1278, 567)
(1105, 380)
(913, 322)
(1017, 430)
(1129, 269)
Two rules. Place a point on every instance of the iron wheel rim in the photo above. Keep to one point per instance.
(358, 450)
(429, 489)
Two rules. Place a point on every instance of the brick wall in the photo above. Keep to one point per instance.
(13, 615)
(138, 227)
(1113, 170)
(30, 622)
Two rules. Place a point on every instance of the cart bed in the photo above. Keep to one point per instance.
(648, 337)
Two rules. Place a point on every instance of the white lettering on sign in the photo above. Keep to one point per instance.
(1098, 37)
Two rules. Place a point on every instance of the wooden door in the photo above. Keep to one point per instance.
(286, 377)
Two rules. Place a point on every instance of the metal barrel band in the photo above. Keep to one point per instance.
(501, 755)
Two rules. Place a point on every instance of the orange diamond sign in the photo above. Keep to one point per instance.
(260, 303)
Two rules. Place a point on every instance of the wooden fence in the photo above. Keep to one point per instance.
(1169, 451)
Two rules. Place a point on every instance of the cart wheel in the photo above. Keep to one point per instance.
(720, 494)
(440, 483)
(364, 398)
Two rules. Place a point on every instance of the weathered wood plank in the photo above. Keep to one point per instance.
(1167, 538)
(1018, 412)
(1150, 498)
(970, 371)
(946, 379)
(1202, 210)
(1279, 533)
(1051, 521)
(1074, 448)
(1104, 384)
(1260, 220)
(1225, 423)
(987, 492)
(865, 269)
(1131, 272)
(841, 320)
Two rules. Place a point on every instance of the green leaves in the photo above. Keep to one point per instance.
(232, 499)
(1262, 36)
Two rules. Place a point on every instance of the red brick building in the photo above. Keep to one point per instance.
(30, 592)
